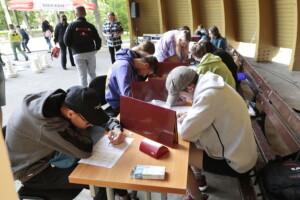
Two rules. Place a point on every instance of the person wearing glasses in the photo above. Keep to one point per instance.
(55, 122)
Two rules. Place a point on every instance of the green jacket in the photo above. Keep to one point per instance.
(215, 65)
(14, 36)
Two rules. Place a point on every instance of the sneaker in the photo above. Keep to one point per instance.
(129, 197)
(29, 52)
(49, 51)
(26, 58)
(202, 183)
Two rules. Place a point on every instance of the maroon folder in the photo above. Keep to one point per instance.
(149, 90)
(153, 122)
(164, 68)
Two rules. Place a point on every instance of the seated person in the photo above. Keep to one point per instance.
(202, 32)
(173, 43)
(55, 121)
(128, 68)
(212, 63)
(218, 125)
(216, 38)
(226, 58)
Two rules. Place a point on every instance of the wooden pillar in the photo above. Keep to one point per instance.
(295, 61)
(265, 48)
(229, 22)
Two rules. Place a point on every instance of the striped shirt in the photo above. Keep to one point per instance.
(112, 28)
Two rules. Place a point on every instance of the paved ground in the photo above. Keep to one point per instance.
(220, 187)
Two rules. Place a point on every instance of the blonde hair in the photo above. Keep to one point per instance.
(112, 14)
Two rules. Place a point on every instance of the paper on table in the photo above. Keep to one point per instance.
(105, 155)
(180, 109)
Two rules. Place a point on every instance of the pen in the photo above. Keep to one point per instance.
(112, 138)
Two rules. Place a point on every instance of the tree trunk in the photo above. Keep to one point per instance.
(7, 16)
(99, 23)
(24, 15)
(15, 17)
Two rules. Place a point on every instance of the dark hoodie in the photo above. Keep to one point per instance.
(120, 76)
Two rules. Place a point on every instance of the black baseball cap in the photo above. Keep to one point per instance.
(86, 102)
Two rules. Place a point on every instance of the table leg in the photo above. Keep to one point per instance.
(94, 190)
(110, 193)
(163, 196)
(147, 195)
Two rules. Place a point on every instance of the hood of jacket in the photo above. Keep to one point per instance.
(209, 80)
(126, 54)
(209, 59)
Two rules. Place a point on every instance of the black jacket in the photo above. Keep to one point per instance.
(59, 32)
(228, 60)
(82, 37)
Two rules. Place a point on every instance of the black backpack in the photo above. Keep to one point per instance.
(281, 177)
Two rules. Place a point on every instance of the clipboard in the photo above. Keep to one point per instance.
(151, 121)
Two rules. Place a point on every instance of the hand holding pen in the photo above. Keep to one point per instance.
(116, 136)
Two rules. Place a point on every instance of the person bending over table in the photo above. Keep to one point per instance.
(50, 125)
(172, 43)
(218, 125)
(212, 63)
(128, 68)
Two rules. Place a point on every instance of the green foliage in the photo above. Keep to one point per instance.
(105, 6)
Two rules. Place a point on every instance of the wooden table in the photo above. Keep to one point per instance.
(175, 161)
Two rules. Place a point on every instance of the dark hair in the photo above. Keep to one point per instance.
(199, 50)
(64, 19)
(201, 26)
(11, 26)
(18, 26)
(152, 61)
(209, 47)
(80, 11)
(215, 31)
(195, 79)
(147, 47)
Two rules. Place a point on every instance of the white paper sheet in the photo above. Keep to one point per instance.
(105, 154)
(180, 109)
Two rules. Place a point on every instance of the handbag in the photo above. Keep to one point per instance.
(55, 52)
(48, 34)
(281, 177)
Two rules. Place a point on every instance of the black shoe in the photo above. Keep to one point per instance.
(29, 52)
(64, 68)
(26, 58)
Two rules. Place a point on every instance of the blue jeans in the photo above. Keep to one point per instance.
(48, 42)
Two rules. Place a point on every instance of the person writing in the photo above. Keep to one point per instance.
(212, 63)
(173, 46)
(112, 30)
(218, 126)
(50, 122)
(128, 68)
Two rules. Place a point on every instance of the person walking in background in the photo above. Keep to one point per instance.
(83, 38)
(216, 38)
(25, 38)
(59, 33)
(46, 27)
(112, 30)
(15, 40)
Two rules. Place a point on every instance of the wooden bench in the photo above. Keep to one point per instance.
(268, 105)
